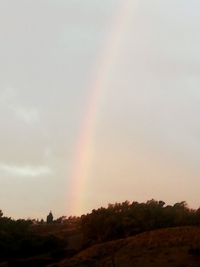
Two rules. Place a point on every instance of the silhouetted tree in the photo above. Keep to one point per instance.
(50, 217)
(125, 219)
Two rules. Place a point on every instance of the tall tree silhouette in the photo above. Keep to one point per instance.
(50, 217)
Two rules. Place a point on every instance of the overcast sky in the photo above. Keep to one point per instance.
(145, 132)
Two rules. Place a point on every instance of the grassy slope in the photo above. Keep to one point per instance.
(174, 247)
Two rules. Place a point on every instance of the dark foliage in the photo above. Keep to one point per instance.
(125, 219)
(21, 245)
(17, 242)
(50, 217)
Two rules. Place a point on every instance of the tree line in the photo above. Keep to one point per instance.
(28, 238)
(121, 220)
(19, 240)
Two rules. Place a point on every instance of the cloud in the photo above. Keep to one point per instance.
(24, 171)
(29, 115)
(7, 94)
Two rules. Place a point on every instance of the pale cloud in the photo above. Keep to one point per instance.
(24, 171)
(9, 98)
(27, 115)
(7, 94)
(146, 124)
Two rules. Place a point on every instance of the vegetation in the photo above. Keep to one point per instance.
(126, 219)
(170, 247)
(50, 217)
(18, 240)
(39, 243)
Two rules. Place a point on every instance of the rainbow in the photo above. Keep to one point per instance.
(107, 59)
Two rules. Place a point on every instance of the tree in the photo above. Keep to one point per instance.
(1, 214)
(50, 217)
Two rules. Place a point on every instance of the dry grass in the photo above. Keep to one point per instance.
(172, 247)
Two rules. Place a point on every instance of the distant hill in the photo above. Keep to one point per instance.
(171, 247)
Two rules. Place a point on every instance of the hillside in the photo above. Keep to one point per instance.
(172, 247)
(123, 234)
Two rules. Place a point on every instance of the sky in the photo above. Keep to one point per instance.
(99, 103)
